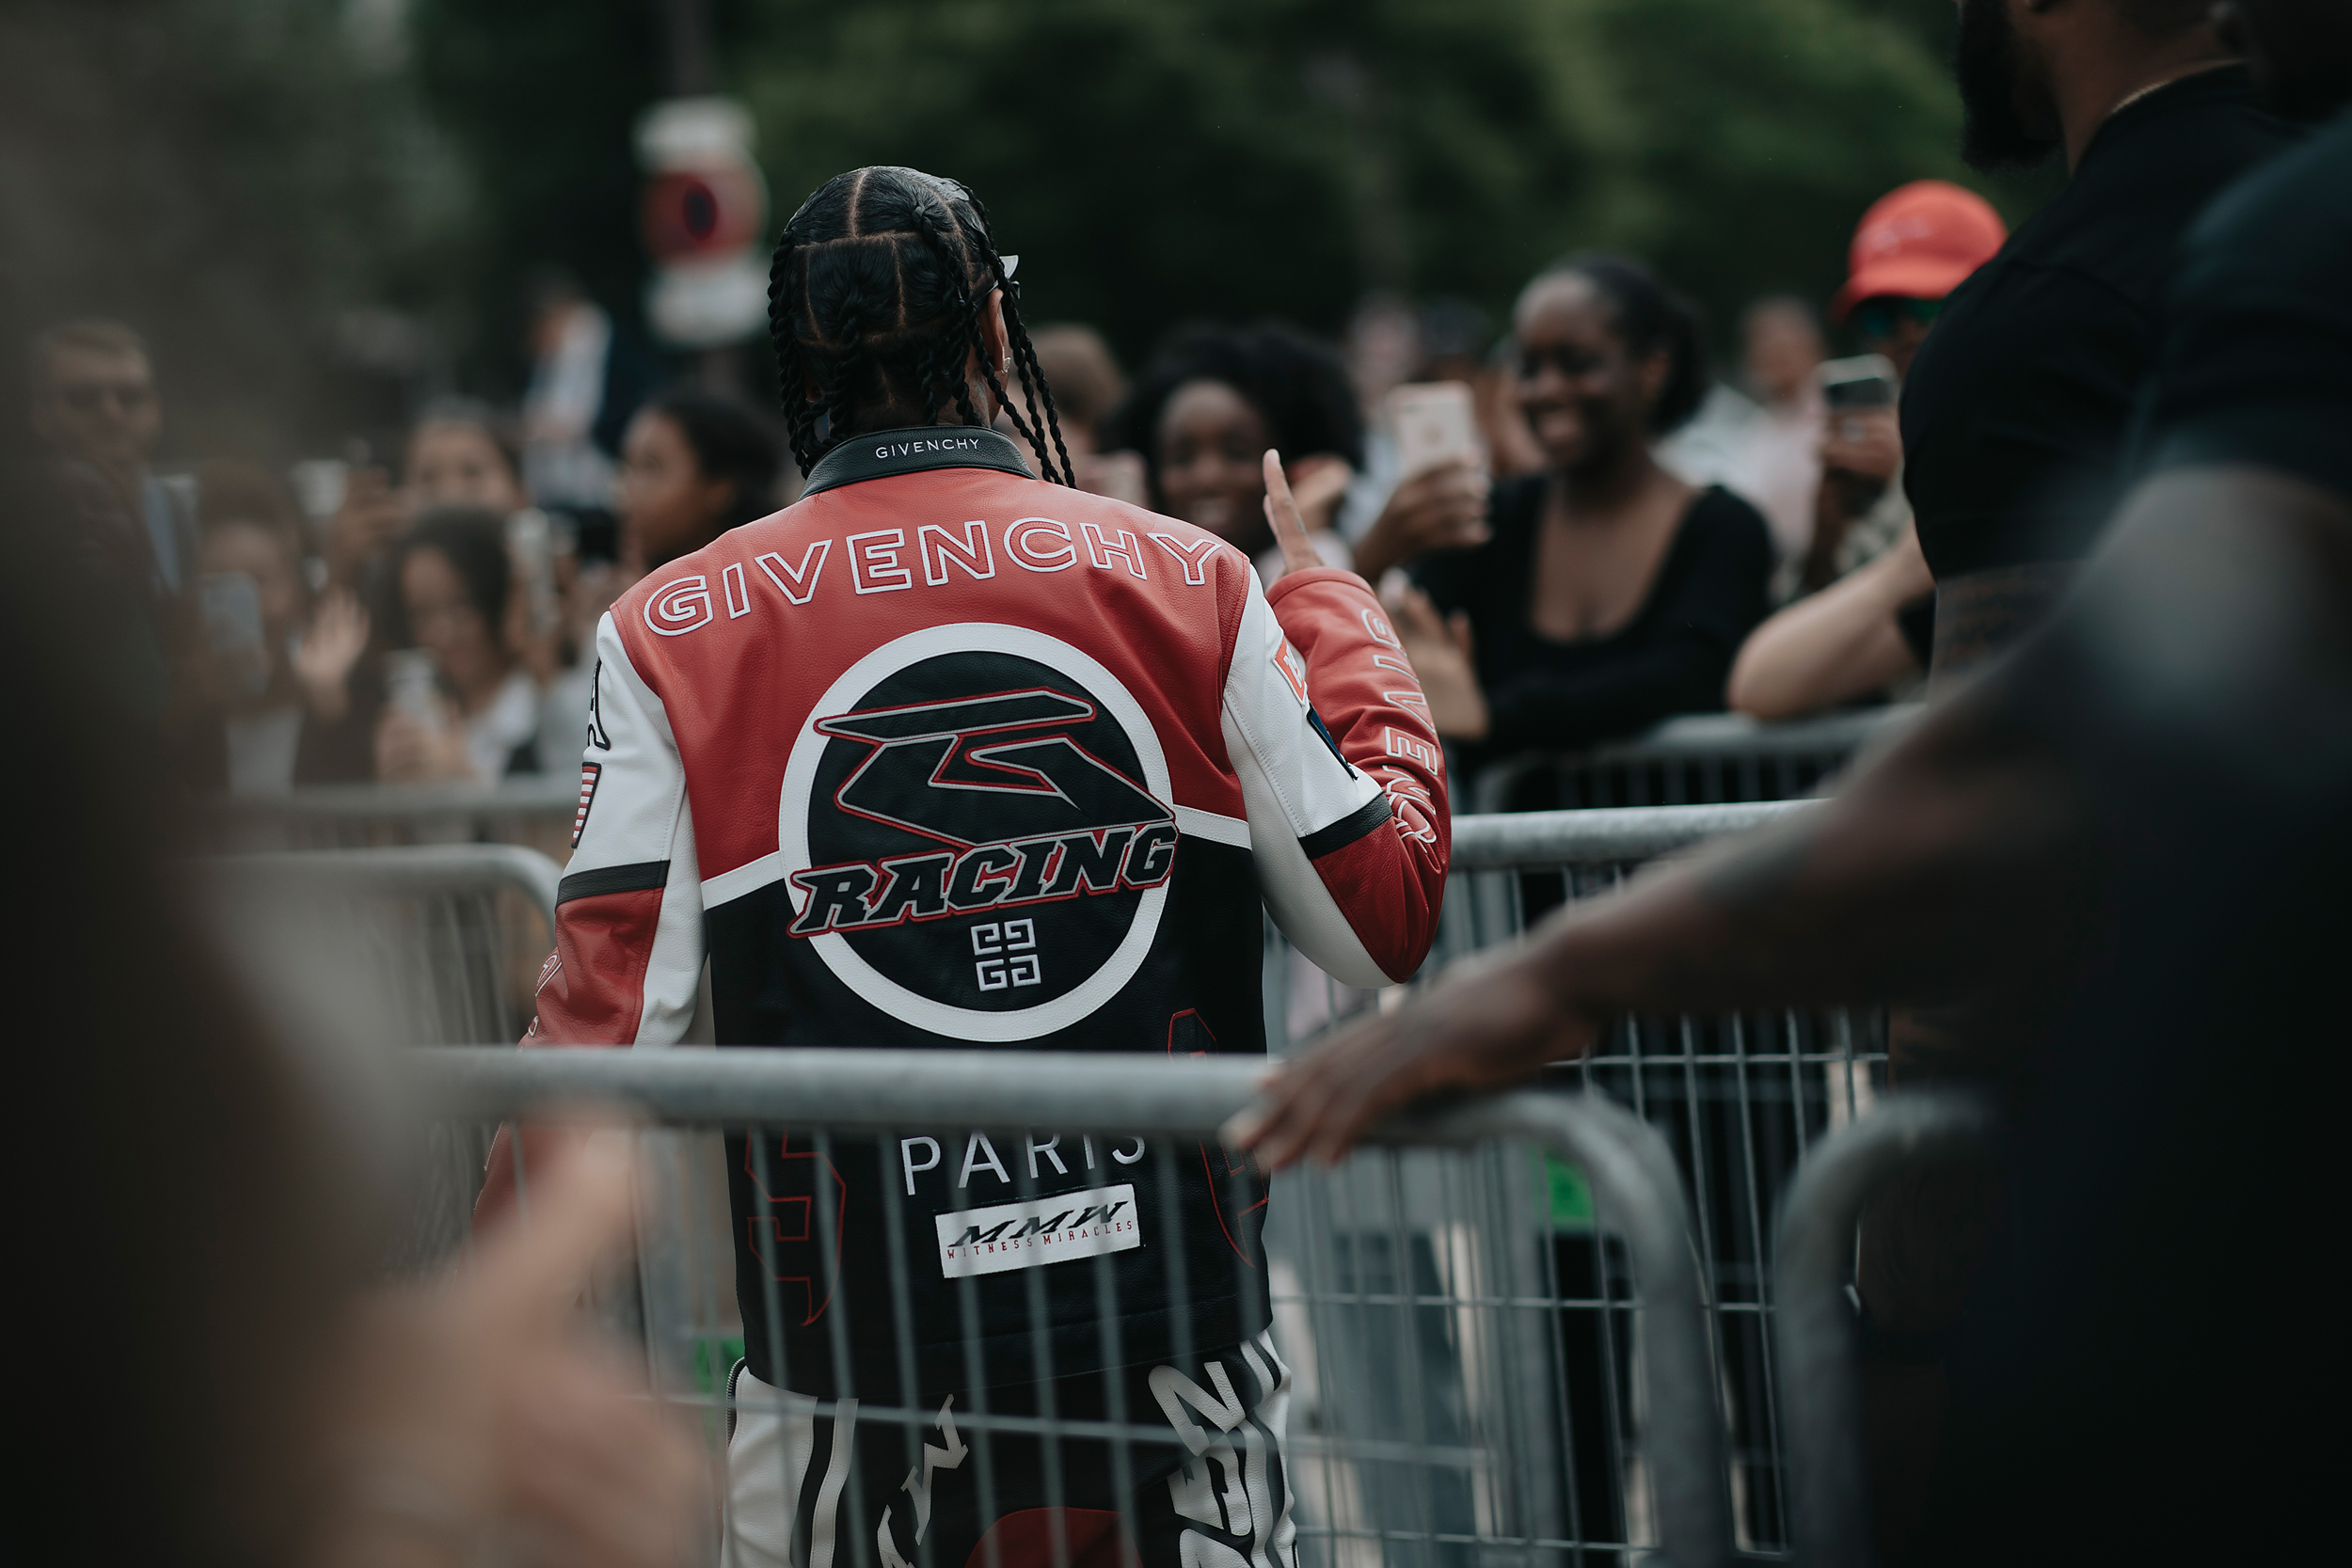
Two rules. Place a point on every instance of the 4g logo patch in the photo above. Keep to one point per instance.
(976, 833)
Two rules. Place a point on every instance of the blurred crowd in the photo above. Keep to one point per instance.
(1580, 527)
(2102, 882)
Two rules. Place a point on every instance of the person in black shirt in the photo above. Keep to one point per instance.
(2016, 412)
(1611, 594)
(2143, 804)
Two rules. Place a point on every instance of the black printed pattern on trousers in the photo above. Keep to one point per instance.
(1228, 1497)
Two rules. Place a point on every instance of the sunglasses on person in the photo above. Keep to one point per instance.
(1880, 316)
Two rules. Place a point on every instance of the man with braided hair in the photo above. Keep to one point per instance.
(945, 755)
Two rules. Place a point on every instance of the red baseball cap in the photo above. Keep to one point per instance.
(1919, 240)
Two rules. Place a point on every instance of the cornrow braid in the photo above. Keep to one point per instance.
(875, 298)
(792, 369)
(957, 267)
(1025, 354)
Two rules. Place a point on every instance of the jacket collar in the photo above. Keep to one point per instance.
(878, 453)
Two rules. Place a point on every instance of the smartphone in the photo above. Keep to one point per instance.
(1436, 423)
(412, 685)
(320, 484)
(231, 606)
(531, 542)
(1865, 381)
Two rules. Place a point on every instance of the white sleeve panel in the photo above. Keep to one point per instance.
(1294, 785)
(637, 834)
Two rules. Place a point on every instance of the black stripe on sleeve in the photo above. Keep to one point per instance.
(619, 879)
(1347, 829)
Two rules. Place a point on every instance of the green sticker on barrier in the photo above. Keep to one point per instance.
(1569, 1197)
(713, 1360)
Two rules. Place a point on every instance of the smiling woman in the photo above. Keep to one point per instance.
(1611, 594)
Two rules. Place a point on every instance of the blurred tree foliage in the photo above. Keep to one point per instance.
(248, 184)
(1235, 157)
(319, 209)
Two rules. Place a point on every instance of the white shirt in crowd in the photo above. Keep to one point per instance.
(512, 718)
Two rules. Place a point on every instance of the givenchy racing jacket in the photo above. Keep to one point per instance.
(943, 756)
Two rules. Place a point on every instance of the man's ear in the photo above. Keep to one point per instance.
(994, 338)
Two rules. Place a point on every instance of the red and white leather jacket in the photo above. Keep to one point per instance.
(944, 755)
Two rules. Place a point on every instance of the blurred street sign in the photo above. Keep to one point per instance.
(704, 218)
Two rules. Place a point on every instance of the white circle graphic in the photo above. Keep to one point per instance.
(799, 778)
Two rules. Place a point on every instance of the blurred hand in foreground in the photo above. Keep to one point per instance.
(1492, 1021)
(481, 1419)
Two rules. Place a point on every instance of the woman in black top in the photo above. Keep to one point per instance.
(1611, 594)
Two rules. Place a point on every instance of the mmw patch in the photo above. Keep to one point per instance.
(1041, 1230)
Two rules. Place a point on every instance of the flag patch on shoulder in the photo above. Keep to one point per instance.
(589, 773)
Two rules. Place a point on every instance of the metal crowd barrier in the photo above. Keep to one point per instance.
(434, 945)
(1434, 1413)
(536, 812)
(1496, 1282)
(1816, 1327)
(1701, 759)
(1739, 1098)
(449, 938)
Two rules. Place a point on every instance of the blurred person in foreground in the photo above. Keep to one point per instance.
(215, 1384)
(2139, 817)
(1206, 409)
(1866, 623)
(1779, 468)
(269, 703)
(1611, 594)
(464, 709)
(1041, 757)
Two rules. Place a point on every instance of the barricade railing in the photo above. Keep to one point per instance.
(1699, 759)
(1816, 1327)
(1433, 1410)
(436, 946)
(536, 810)
(1739, 1098)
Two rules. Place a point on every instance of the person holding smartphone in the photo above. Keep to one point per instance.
(1610, 593)
(1865, 626)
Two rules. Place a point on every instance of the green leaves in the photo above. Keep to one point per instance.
(1212, 157)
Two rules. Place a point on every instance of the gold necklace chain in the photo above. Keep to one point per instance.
(2195, 69)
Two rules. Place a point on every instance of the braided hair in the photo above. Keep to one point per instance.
(875, 300)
